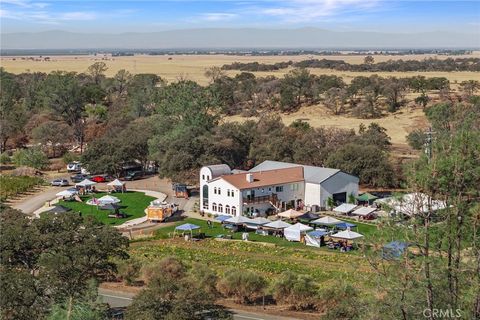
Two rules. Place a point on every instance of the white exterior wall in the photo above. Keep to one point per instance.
(340, 182)
(312, 194)
(205, 175)
(223, 198)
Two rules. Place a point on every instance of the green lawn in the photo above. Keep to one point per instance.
(133, 205)
(217, 229)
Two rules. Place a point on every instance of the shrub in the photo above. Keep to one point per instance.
(299, 292)
(244, 286)
(341, 302)
(69, 157)
(4, 158)
(33, 157)
(169, 267)
(129, 270)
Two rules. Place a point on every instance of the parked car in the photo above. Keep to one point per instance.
(100, 178)
(74, 166)
(78, 177)
(133, 175)
(60, 182)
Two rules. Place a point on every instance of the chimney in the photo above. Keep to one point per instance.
(249, 177)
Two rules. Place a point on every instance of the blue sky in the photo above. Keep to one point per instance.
(144, 16)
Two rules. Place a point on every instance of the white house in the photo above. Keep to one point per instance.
(272, 186)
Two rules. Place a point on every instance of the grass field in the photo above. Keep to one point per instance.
(133, 204)
(398, 124)
(193, 67)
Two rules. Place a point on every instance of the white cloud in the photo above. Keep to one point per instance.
(218, 16)
(308, 10)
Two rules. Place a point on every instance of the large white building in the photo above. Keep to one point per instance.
(272, 186)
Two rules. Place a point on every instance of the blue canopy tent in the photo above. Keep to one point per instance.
(345, 225)
(222, 218)
(394, 250)
(186, 227)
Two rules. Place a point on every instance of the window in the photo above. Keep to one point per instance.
(269, 189)
(214, 206)
(220, 208)
(279, 189)
(227, 209)
(234, 211)
(294, 186)
(219, 191)
(208, 178)
(228, 193)
(203, 177)
(215, 190)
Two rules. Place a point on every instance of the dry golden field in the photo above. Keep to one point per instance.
(193, 67)
(398, 125)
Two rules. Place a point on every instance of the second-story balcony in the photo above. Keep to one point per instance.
(261, 199)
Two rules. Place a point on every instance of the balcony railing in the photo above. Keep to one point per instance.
(262, 199)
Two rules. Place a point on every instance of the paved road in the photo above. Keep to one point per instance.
(36, 201)
(118, 299)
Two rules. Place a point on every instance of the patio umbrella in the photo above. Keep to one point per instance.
(366, 197)
(59, 209)
(327, 221)
(290, 214)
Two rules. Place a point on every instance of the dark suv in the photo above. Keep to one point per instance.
(133, 175)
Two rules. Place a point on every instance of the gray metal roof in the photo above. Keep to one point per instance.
(219, 170)
(311, 173)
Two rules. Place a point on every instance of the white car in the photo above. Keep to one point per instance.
(74, 167)
(60, 182)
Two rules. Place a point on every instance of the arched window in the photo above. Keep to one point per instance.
(214, 206)
(205, 196)
(227, 209)
(220, 208)
(215, 190)
(219, 191)
(234, 211)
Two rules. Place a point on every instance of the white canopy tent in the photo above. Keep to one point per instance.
(290, 214)
(313, 238)
(326, 221)
(85, 183)
(279, 224)
(412, 203)
(295, 232)
(364, 211)
(66, 193)
(257, 222)
(345, 208)
(238, 220)
(347, 235)
(116, 183)
(107, 199)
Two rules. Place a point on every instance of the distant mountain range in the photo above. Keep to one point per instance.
(238, 38)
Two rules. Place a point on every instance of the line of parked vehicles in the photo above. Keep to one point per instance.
(81, 174)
